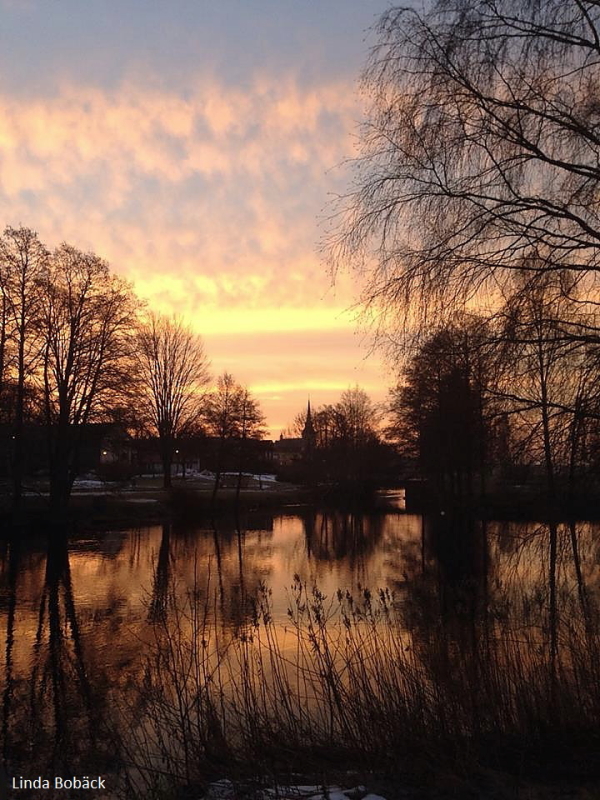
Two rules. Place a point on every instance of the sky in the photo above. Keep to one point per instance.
(196, 145)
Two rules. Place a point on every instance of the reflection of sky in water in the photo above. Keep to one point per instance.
(88, 627)
(117, 580)
(121, 580)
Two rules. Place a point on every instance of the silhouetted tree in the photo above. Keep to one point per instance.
(480, 147)
(347, 444)
(233, 417)
(23, 264)
(251, 428)
(354, 435)
(551, 391)
(86, 318)
(5, 329)
(444, 410)
(172, 372)
(357, 417)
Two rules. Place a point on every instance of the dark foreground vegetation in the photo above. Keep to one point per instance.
(487, 713)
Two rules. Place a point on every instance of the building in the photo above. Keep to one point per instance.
(289, 450)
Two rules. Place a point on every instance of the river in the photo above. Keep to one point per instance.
(79, 621)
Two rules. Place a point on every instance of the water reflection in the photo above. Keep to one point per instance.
(58, 674)
(157, 608)
(342, 536)
(51, 705)
(78, 620)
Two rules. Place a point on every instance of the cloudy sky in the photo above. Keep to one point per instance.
(194, 144)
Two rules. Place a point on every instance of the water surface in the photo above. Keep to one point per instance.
(79, 621)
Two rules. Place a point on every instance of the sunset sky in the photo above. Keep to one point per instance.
(195, 145)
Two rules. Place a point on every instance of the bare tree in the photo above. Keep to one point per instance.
(23, 261)
(221, 414)
(172, 372)
(357, 417)
(233, 417)
(86, 322)
(551, 390)
(5, 328)
(251, 428)
(480, 147)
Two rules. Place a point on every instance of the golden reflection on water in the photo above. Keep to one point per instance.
(79, 621)
(122, 578)
(118, 578)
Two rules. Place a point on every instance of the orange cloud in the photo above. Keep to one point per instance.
(208, 202)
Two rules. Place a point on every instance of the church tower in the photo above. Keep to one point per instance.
(309, 435)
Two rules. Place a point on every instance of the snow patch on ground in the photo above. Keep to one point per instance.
(141, 500)
(91, 484)
(226, 790)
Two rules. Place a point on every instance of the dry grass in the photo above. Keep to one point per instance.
(347, 686)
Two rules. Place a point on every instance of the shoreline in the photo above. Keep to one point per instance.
(144, 504)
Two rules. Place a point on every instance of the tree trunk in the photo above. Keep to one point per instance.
(61, 477)
(166, 457)
(17, 461)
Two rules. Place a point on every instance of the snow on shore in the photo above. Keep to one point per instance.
(226, 790)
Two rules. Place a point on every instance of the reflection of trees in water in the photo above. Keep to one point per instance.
(546, 568)
(220, 566)
(10, 571)
(337, 535)
(474, 596)
(446, 592)
(51, 719)
(161, 583)
(486, 588)
(459, 545)
(466, 676)
(506, 631)
(241, 571)
(58, 672)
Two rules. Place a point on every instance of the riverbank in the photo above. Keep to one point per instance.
(96, 504)
(508, 502)
(148, 503)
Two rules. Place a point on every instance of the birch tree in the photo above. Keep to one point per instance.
(480, 149)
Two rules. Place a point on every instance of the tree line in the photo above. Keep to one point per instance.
(77, 347)
(505, 397)
(345, 442)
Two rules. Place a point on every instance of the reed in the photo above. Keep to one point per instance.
(347, 684)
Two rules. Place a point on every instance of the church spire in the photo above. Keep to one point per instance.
(308, 432)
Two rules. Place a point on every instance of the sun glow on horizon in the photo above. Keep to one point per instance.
(206, 187)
